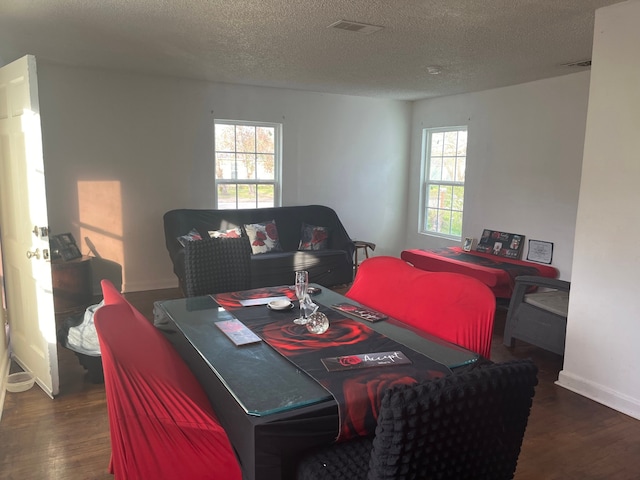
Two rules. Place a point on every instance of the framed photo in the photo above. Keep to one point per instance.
(540, 252)
(64, 246)
(67, 239)
(502, 244)
(468, 243)
(55, 246)
(71, 252)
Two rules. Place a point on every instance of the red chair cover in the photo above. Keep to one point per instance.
(110, 293)
(162, 424)
(454, 307)
(112, 296)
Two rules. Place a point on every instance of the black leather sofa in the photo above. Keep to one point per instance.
(329, 267)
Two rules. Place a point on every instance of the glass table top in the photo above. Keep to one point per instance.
(259, 378)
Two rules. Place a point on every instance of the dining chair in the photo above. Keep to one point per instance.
(466, 426)
(538, 317)
(217, 265)
(161, 423)
(452, 306)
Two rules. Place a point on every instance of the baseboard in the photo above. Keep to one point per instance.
(143, 286)
(5, 363)
(599, 393)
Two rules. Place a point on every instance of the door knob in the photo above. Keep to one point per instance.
(35, 253)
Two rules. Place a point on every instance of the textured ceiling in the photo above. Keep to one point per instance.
(477, 44)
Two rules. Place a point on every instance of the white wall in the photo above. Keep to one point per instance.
(602, 354)
(152, 138)
(524, 159)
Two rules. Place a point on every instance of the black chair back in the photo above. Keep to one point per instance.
(217, 265)
(469, 425)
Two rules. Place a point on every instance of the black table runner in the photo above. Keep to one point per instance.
(512, 269)
(357, 392)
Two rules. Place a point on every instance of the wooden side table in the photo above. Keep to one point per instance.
(72, 285)
(365, 247)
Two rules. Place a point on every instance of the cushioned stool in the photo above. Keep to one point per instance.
(540, 317)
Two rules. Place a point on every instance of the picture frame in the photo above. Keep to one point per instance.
(467, 244)
(70, 253)
(67, 239)
(501, 244)
(55, 246)
(64, 246)
(540, 251)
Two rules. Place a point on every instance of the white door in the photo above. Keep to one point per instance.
(23, 216)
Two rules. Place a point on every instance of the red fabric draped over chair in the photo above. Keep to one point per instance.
(454, 307)
(162, 424)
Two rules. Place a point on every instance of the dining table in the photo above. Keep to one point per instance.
(286, 389)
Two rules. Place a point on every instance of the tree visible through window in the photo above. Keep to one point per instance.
(444, 165)
(247, 163)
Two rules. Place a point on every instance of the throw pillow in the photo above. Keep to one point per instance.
(230, 233)
(189, 237)
(263, 237)
(313, 237)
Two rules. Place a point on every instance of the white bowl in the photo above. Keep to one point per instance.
(20, 382)
(279, 304)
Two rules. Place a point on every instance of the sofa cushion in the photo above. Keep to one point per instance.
(263, 237)
(313, 237)
(229, 233)
(324, 267)
(189, 237)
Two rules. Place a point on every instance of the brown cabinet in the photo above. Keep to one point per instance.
(72, 285)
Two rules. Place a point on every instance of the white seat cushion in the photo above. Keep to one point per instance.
(555, 301)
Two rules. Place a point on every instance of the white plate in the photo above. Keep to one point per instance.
(280, 305)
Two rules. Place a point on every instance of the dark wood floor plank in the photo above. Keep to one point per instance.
(568, 436)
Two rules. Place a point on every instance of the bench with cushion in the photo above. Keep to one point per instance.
(540, 317)
(282, 240)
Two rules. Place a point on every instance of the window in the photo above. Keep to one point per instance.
(247, 162)
(444, 163)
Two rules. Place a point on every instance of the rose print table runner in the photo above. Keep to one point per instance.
(357, 391)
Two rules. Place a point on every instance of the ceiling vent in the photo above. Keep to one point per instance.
(356, 27)
(581, 63)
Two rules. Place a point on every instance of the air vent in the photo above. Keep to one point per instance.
(356, 27)
(581, 63)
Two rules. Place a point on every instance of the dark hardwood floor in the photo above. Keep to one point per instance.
(568, 436)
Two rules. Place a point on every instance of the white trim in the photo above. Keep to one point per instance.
(143, 286)
(599, 393)
(5, 363)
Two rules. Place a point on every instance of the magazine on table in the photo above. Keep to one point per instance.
(237, 332)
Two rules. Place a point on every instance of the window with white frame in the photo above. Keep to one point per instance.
(444, 157)
(247, 163)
